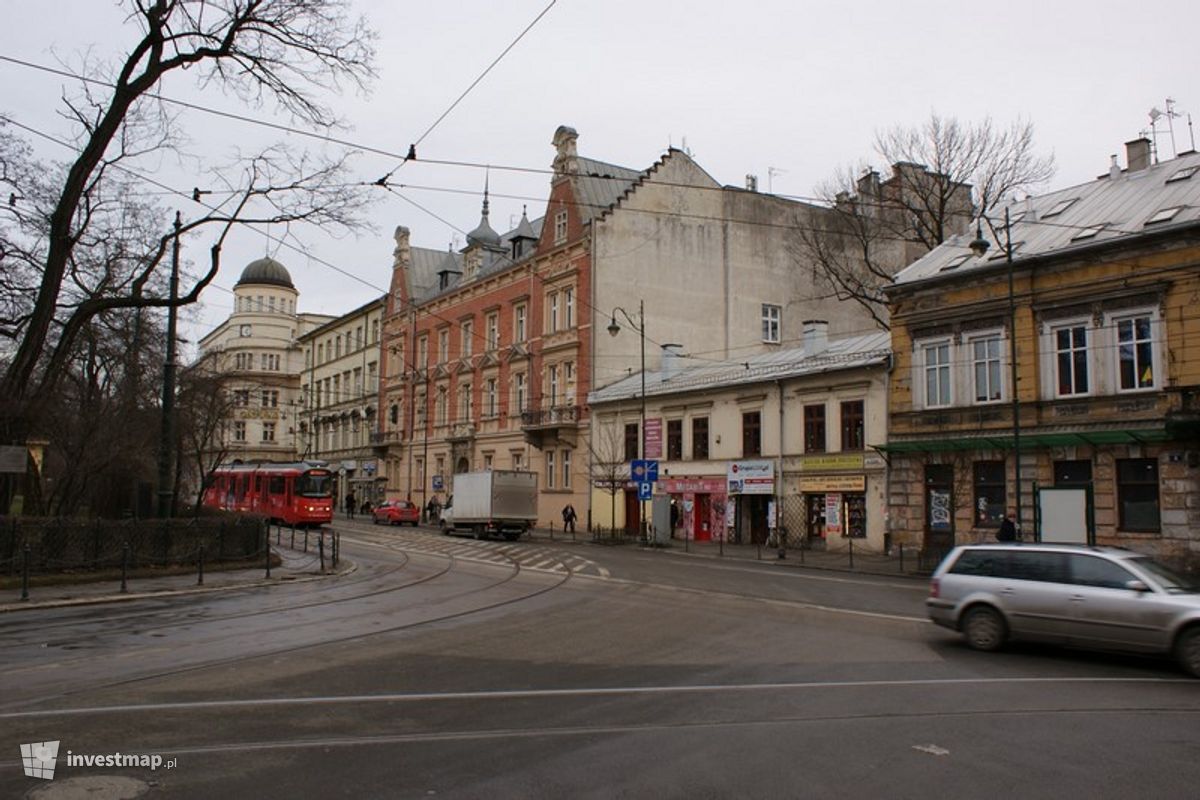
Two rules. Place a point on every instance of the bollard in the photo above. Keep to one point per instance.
(268, 548)
(802, 552)
(851, 541)
(200, 579)
(552, 530)
(902, 556)
(124, 567)
(337, 546)
(25, 572)
(321, 550)
(306, 540)
(293, 544)
(278, 535)
(721, 545)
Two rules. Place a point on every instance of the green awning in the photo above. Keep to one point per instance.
(1030, 441)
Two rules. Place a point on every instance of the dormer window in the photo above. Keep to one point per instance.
(1164, 215)
(1059, 207)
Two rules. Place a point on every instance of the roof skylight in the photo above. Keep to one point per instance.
(1164, 215)
(956, 263)
(1089, 233)
(1183, 173)
(1059, 207)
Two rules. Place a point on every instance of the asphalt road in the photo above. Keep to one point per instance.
(453, 668)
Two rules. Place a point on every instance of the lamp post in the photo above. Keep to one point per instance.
(979, 247)
(166, 492)
(613, 330)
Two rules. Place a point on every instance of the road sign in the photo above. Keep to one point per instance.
(643, 469)
(439, 483)
(645, 490)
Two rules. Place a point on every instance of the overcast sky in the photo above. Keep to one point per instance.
(788, 91)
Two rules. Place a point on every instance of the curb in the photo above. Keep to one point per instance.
(31, 605)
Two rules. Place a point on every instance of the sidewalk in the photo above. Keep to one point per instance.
(296, 566)
(900, 564)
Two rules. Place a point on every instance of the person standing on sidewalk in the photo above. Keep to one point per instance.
(568, 515)
(350, 504)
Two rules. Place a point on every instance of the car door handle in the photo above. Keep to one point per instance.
(1006, 590)
(1077, 598)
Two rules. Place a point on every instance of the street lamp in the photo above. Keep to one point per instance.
(613, 330)
(979, 247)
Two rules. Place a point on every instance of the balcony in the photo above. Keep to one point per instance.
(381, 440)
(548, 426)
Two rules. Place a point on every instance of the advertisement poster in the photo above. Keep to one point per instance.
(654, 439)
(751, 477)
(833, 514)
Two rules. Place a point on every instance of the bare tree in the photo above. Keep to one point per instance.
(205, 411)
(609, 469)
(82, 243)
(944, 173)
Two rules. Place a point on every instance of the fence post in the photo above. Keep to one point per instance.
(267, 542)
(200, 579)
(306, 540)
(851, 541)
(25, 572)
(293, 544)
(552, 530)
(125, 567)
(782, 532)
(337, 547)
(902, 556)
(321, 550)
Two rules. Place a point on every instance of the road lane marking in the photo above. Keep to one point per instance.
(602, 691)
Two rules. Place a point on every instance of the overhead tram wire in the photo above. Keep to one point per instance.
(412, 150)
(820, 202)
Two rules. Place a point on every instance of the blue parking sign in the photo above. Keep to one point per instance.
(644, 490)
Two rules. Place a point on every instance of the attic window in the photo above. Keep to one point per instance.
(1164, 215)
(1089, 233)
(956, 263)
(1183, 174)
(1059, 208)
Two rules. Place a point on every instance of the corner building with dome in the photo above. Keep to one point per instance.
(257, 358)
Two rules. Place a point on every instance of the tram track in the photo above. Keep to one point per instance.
(516, 569)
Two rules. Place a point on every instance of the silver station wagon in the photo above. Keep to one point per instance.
(1103, 598)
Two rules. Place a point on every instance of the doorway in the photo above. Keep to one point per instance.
(939, 512)
(633, 512)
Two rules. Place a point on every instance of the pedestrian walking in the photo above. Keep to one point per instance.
(1008, 530)
(350, 504)
(568, 515)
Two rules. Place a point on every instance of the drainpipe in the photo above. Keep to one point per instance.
(779, 481)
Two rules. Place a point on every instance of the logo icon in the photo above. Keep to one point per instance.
(39, 758)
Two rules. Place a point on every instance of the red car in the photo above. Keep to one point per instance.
(396, 512)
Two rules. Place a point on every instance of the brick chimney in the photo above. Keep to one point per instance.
(1137, 154)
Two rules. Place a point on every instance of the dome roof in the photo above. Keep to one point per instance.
(265, 271)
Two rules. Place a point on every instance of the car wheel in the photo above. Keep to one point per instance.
(414, 523)
(1187, 651)
(984, 628)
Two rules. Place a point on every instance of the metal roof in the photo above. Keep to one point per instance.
(598, 185)
(1113, 208)
(840, 354)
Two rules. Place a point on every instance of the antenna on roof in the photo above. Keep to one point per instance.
(1170, 114)
(771, 173)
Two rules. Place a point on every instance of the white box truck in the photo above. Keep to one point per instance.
(500, 502)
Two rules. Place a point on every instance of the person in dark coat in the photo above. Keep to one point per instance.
(350, 505)
(568, 515)
(1008, 530)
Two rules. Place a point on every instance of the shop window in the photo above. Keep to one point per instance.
(700, 438)
(1137, 494)
(751, 434)
(814, 429)
(990, 494)
(675, 439)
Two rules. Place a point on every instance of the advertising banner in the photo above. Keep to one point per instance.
(751, 477)
(654, 438)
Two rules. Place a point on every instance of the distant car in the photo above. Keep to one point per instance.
(396, 512)
(1104, 598)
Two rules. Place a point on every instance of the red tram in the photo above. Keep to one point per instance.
(297, 493)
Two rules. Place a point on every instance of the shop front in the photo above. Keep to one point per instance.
(701, 502)
(751, 488)
(835, 508)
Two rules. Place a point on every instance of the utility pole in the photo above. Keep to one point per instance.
(165, 491)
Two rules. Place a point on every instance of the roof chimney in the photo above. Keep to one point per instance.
(669, 365)
(751, 183)
(1114, 169)
(1137, 154)
(816, 336)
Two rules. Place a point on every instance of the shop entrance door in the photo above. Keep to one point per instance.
(702, 518)
(633, 512)
(939, 514)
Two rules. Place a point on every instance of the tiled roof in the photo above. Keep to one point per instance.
(1110, 209)
(841, 354)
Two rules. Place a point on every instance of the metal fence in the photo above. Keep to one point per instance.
(47, 545)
